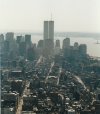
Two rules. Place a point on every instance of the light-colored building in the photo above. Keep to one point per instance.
(45, 33)
(71, 111)
(49, 30)
(52, 80)
(48, 37)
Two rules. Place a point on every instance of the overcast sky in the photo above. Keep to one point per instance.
(69, 15)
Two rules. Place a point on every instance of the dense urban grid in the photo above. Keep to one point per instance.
(45, 78)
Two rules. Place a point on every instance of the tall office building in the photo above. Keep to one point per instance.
(28, 42)
(12, 43)
(57, 47)
(76, 46)
(66, 47)
(22, 49)
(48, 37)
(46, 32)
(40, 47)
(1, 42)
(49, 30)
(19, 39)
(40, 44)
(1, 38)
(66, 43)
(83, 49)
(57, 43)
(48, 49)
(28, 39)
(10, 36)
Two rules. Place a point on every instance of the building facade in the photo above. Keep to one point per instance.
(48, 37)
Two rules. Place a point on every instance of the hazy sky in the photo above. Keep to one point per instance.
(69, 15)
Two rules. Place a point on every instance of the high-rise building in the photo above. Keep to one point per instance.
(76, 45)
(49, 30)
(48, 37)
(1, 42)
(66, 43)
(46, 32)
(31, 54)
(57, 47)
(10, 36)
(75, 52)
(40, 47)
(11, 40)
(19, 39)
(83, 49)
(28, 39)
(48, 49)
(40, 44)
(22, 49)
(6, 46)
(66, 47)
(1, 38)
(57, 43)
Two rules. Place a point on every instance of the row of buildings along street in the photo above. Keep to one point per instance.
(45, 78)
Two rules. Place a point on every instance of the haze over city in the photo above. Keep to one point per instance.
(49, 57)
(69, 15)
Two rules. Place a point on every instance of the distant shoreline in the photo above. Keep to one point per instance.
(62, 34)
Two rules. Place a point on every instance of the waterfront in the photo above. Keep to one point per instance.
(93, 49)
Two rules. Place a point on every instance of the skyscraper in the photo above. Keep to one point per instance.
(18, 39)
(10, 36)
(48, 37)
(1, 38)
(76, 46)
(57, 43)
(46, 32)
(11, 41)
(83, 49)
(28, 39)
(1, 42)
(66, 47)
(66, 43)
(49, 30)
(57, 47)
(28, 42)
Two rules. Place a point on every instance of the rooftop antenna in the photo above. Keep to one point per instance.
(51, 16)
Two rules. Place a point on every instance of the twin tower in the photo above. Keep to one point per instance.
(49, 30)
(48, 37)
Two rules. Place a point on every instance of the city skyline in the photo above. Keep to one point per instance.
(50, 56)
(69, 15)
(39, 81)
